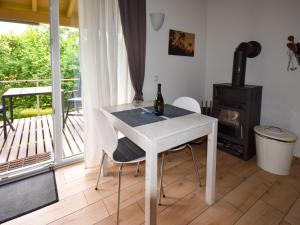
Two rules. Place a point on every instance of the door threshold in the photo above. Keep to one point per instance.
(69, 161)
(27, 171)
(24, 162)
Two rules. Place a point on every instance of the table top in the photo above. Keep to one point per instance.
(27, 91)
(162, 130)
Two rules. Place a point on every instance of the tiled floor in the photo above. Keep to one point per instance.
(246, 195)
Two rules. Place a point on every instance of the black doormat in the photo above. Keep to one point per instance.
(26, 195)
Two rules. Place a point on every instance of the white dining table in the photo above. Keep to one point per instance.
(157, 137)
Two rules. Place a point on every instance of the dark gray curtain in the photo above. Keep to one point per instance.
(133, 19)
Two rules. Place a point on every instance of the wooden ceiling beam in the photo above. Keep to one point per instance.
(34, 5)
(27, 16)
(71, 7)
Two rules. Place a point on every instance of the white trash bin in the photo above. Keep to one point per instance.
(274, 149)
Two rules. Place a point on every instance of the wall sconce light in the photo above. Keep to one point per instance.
(157, 20)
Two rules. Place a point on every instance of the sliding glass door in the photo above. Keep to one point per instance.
(26, 140)
(40, 85)
(67, 100)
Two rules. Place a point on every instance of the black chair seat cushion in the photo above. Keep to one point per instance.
(127, 151)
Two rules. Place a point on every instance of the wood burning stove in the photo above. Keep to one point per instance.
(238, 111)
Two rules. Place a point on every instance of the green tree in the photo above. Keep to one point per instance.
(27, 57)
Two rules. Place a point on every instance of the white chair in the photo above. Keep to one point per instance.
(191, 105)
(122, 151)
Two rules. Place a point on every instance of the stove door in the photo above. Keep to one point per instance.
(230, 122)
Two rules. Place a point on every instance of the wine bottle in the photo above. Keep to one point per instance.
(159, 102)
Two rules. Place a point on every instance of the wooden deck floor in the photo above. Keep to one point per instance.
(33, 135)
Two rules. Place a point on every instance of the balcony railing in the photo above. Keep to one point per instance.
(36, 83)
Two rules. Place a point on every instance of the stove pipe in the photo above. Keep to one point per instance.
(242, 52)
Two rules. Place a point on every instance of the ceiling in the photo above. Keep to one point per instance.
(37, 11)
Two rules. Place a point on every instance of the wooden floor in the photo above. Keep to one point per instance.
(246, 195)
(33, 135)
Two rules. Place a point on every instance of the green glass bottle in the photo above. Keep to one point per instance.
(159, 102)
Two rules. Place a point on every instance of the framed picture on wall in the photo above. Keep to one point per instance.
(181, 43)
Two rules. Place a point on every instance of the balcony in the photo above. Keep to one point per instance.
(32, 140)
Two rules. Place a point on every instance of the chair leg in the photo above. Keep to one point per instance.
(101, 165)
(67, 114)
(137, 171)
(10, 124)
(76, 107)
(195, 165)
(161, 189)
(119, 190)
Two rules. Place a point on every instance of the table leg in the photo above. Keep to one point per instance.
(211, 164)
(11, 109)
(151, 187)
(4, 117)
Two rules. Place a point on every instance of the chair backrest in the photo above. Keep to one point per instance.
(108, 138)
(187, 103)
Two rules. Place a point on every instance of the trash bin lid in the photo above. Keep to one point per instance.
(275, 133)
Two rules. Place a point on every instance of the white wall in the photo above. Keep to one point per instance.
(270, 22)
(179, 75)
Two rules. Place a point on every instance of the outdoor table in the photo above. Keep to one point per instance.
(19, 92)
